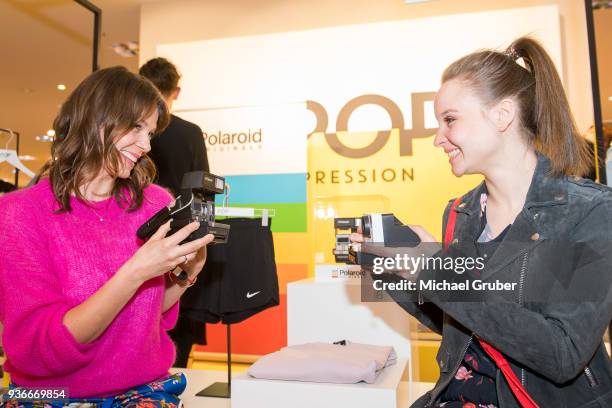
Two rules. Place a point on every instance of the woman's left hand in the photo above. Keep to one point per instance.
(196, 260)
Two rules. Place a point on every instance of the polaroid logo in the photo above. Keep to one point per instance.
(347, 274)
(353, 274)
(221, 138)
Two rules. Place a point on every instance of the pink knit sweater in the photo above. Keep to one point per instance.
(50, 263)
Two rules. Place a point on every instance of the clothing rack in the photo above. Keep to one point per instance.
(9, 131)
(264, 213)
(225, 211)
(224, 389)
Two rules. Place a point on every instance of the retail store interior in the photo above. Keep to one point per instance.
(280, 76)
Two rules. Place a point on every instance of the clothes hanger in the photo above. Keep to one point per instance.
(10, 156)
(225, 211)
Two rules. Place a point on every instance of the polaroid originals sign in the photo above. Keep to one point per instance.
(233, 140)
(254, 140)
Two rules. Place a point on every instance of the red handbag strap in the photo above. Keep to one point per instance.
(450, 224)
(516, 387)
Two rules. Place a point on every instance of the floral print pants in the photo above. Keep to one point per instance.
(162, 393)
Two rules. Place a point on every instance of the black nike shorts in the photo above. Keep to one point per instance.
(239, 278)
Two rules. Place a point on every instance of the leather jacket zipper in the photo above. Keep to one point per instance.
(522, 278)
(590, 377)
(520, 300)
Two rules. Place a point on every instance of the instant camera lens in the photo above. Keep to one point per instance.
(343, 239)
(209, 211)
(367, 225)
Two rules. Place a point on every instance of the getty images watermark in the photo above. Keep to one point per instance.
(405, 265)
(406, 274)
(469, 272)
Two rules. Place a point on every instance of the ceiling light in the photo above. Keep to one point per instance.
(51, 132)
(61, 87)
(27, 157)
(44, 138)
(610, 98)
(415, 1)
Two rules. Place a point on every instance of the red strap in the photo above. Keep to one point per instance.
(517, 388)
(450, 224)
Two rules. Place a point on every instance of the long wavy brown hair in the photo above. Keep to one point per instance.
(102, 109)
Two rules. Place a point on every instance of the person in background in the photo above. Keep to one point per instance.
(590, 137)
(85, 304)
(536, 225)
(175, 151)
(6, 187)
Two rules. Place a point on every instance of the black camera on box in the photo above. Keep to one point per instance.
(344, 248)
(196, 202)
(383, 229)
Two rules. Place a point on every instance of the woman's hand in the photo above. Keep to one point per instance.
(357, 237)
(161, 254)
(195, 261)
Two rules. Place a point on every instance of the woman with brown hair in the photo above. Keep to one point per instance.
(84, 303)
(504, 115)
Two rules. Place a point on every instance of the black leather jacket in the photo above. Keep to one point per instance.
(553, 343)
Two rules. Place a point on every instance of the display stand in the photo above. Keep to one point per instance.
(222, 389)
(16, 134)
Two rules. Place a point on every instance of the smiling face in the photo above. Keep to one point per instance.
(136, 143)
(466, 131)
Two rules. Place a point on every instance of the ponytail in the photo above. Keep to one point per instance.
(557, 136)
(544, 111)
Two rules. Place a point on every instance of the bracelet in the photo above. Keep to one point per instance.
(183, 283)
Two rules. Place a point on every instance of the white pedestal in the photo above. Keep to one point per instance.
(249, 392)
(199, 379)
(329, 311)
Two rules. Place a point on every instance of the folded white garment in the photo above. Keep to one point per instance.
(324, 362)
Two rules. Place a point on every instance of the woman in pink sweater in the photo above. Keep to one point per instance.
(86, 305)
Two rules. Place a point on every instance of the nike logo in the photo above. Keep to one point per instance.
(250, 295)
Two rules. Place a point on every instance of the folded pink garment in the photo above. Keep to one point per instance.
(323, 362)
